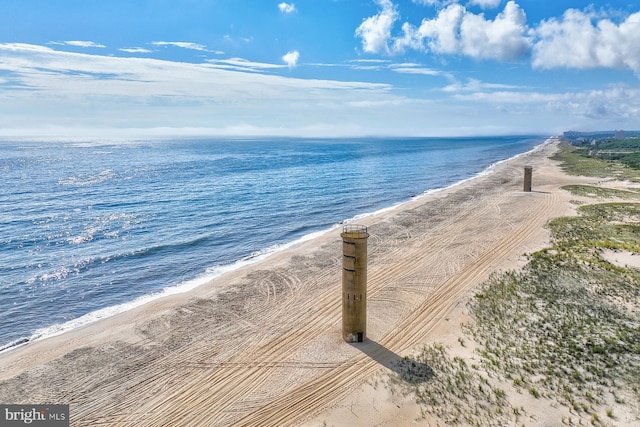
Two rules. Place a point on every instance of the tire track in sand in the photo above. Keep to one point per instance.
(232, 385)
(252, 368)
(214, 393)
(331, 385)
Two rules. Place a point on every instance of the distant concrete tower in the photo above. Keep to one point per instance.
(528, 174)
(354, 282)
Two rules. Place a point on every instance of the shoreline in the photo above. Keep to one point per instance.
(261, 345)
(217, 271)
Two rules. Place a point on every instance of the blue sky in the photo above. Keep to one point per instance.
(317, 67)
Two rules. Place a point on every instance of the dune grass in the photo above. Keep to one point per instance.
(566, 328)
(453, 391)
(602, 193)
(568, 325)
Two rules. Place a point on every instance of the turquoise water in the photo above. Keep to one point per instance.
(92, 228)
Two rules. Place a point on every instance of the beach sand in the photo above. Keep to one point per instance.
(262, 345)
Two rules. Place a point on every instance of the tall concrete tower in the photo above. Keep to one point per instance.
(528, 174)
(354, 282)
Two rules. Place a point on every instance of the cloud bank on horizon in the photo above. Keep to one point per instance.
(383, 67)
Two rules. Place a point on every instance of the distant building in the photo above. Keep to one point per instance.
(619, 134)
(571, 134)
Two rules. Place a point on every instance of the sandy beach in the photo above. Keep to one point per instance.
(262, 345)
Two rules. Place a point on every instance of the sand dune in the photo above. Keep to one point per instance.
(262, 345)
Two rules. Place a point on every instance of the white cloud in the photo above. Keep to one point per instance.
(375, 31)
(486, 4)
(616, 104)
(475, 85)
(504, 38)
(580, 40)
(414, 69)
(454, 31)
(67, 74)
(437, 3)
(368, 64)
(183, 45)
(81, 43)
(134, 50)
(441, 33)
(291, 58)
(411, 39)
(369, 61)
(25, 48)
(56, 91)
(241, 64)
(286, 7)
(458, 31)
(61, 90)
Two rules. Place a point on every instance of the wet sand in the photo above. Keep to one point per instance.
(262, 345)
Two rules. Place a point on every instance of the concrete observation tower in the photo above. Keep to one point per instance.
(528, 174)
(354, 282)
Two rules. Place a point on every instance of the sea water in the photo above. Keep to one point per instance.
(89, 228)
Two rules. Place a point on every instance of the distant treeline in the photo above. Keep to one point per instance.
(574, 136)
(626, 151)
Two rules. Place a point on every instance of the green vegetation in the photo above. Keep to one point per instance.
(601, 226)
(600, 192)
(605, 158)
(626, 151)
(568, 326)
(564, 329)
(450, 390)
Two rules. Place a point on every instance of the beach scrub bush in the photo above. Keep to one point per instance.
(567, 327)
(449, 389)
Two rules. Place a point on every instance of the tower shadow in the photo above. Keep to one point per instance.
(408, 369)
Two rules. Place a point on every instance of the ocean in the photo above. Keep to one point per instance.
(90, 228)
